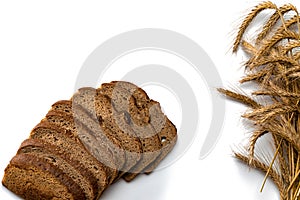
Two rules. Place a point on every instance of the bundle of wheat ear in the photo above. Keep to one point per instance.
(273, 67)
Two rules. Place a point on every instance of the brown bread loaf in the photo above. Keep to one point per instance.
(143, 112)
(41, 146)
(90, 141)
(109, 119)
(165, 129)
(102, 138)
(30, 176)
(62, 167)
(73, 149)
(138, 119)
(79, 131)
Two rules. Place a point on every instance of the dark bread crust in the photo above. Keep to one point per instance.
(67, 169)
(121, 95)
(117, 123)
(86, 143)
(112, 122)
(25, 161)
(124, 100)
(146, 112)
(101, 141)
(103, 135)
(165, 129)
(31, 183)
(168, 136)
(55, 136)
(39, 145)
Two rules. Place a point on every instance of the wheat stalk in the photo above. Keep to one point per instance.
(255, 11)
(274, 66)
(273, 20)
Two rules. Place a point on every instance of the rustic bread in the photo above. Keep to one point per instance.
(79, 131)
(73, 149)
(82, 116)
(61, 165)
(41, 146)
(33, 178)
(117, 122)
(110, 120)
(39, 185)
(123, 100)
(102, 138)
(165, 129)
(85, 144)
(150, 109)
(168, 137)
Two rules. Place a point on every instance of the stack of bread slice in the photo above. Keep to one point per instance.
(85, 144)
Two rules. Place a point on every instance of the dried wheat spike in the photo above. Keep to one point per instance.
(240, 98)
(289, 47)
(274, 67)
(268, 27)
(255, 163)
(249, 19)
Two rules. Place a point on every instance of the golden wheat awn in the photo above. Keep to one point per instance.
(274, 66)
(269, 25)
(248, 20)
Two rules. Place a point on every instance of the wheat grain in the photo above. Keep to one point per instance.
(249, 19)
(261, 166)
(267, 28)
(240, 98)
(274, 66)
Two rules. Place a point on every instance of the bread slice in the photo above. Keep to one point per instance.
(110, 120)
(118, 123)
(168, 138)
(34, 184)
(41, 146)
(62, 166)
(86, 143)
(138, 120)
(123, 100)
(72, 149)
(164, 128)
(34, 178)
(88, 138)
(102, 138)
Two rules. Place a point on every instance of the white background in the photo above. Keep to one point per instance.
(44, 43)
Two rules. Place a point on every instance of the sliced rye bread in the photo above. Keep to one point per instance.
(73, 149)
(164, 128)
(61, 165)
(83, 117)
(84, 136)
(68, 149)
(34, 178)
(168, 137)
(118, 122)
(124, 101)
(102, 137)
(140, 96)
(100, 107)
(41, 146)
